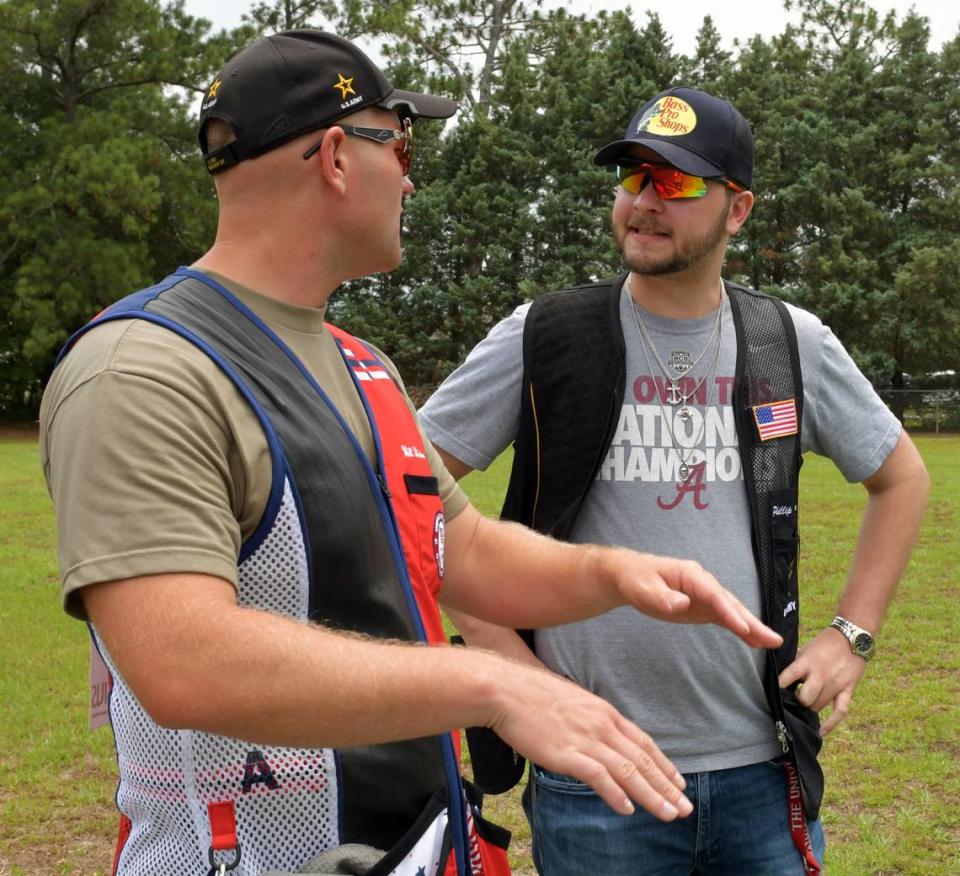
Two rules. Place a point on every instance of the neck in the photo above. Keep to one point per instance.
(685, 295)
(294, 279)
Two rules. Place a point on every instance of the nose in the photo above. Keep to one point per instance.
(647, 198)
(408, 187)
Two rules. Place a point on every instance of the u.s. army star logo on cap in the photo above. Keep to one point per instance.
(345, 85)
(214, 88)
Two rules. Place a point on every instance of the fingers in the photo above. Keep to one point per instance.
(644, 742)
(631, 767)
(794, 672)
(569, 730)
(758, 634)
(622, 781)
(723, 608)
(841, 708)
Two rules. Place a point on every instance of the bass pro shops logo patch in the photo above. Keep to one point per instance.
(668, 117)
(439, 535)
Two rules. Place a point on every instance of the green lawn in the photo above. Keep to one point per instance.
(893, 787)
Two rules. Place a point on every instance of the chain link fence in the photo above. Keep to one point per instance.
(925, 410)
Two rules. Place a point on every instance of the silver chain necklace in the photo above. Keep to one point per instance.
(675, 396)
(685, 454)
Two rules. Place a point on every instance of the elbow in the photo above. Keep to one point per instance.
(171, 705)
(471, 628)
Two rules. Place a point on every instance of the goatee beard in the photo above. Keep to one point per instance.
(680, 260)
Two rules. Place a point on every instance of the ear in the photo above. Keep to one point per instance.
(331, 160)
(741, 203)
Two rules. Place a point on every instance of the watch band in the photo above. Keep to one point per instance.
(861, 641)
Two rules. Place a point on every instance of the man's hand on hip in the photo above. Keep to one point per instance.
(828, 671)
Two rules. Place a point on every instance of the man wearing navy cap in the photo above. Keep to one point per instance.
(256, 529)
(666, 409)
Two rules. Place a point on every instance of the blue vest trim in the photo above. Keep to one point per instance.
(278, 461)
(455, 809)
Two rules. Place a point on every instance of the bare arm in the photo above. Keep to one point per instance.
(476, 632)
(897, 499)
(509, 575)
(502, 575)
(195, 659)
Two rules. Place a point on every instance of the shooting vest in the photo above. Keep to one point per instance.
(573, 386)
(353, 546)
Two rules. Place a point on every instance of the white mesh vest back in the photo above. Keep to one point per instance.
(286, 799)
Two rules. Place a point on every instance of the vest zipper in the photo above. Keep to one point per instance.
(783, 735)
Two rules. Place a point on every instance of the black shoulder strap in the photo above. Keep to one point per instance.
(573, 377)
(769, 387)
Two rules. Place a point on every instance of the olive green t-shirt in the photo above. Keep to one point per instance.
(155, 461)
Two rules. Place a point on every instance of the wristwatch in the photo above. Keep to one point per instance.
(861, 642)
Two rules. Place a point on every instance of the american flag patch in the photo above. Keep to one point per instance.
(776, 420)
(365, 369)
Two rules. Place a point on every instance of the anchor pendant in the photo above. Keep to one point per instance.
(674, 396)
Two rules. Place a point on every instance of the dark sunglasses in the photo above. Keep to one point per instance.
(668, 182)
(402, 141)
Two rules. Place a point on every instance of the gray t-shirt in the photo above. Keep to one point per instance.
(696, 689)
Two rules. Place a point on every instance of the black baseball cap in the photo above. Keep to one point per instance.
(291, 83)
(692, 130)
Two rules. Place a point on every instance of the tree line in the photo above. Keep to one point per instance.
(856, 118)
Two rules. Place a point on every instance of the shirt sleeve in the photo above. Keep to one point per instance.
(475, 413)
(843, 417)
(138, 463)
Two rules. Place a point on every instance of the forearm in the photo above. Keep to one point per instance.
(503, 640)
(888, 533)
(196, 660)
(241, 672)
(508, 575)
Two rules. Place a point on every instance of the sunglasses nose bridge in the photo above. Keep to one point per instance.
(644, 191)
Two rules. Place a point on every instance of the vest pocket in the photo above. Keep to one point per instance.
(803, 725)
(425, 842)
(785, 554)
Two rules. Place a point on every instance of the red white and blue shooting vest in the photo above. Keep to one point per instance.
(351, 545)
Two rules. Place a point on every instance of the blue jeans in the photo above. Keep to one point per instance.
(739, 827)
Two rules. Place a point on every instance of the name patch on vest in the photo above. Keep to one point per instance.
(439, 534)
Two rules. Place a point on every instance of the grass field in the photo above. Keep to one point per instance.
(893, 785)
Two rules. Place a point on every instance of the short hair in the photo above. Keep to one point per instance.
(216, 134)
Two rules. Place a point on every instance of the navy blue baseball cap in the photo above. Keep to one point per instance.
(694, 131)
(291, 83)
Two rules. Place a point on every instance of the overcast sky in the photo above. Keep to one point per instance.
(741, 18)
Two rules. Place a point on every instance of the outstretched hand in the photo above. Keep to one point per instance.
(566, 729)
(828, 671)
(682, 591)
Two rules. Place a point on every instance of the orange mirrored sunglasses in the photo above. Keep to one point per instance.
(669, 183)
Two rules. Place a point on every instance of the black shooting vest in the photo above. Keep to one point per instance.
(574, 375)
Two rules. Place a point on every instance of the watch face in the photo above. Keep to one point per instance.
(863, 643)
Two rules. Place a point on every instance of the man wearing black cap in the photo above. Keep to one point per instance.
(666, 409)
(225, 467)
